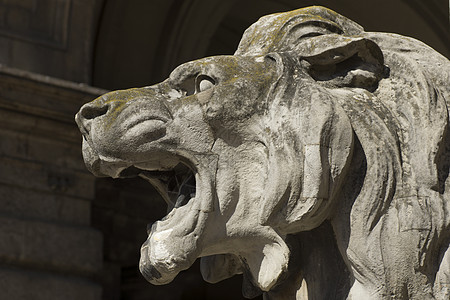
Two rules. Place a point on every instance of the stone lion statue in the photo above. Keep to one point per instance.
(314, 161)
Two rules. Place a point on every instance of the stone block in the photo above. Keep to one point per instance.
(27, 123)
(41, 149)
(23, 284)
(22, 203)
(40, 177)
(50, 246)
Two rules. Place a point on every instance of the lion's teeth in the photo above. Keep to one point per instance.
(180, 201)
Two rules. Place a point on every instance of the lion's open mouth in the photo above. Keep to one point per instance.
(172, 244)
(176, 186)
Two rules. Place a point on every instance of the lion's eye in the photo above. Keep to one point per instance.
(315, 28)
(203, 83)
(311, 34)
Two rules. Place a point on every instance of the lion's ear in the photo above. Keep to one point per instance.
(340, 61)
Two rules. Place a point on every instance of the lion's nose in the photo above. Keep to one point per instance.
(87, 113)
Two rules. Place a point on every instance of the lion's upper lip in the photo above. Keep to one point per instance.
(133, 171)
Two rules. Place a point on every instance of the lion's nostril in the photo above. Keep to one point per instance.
(89, 112)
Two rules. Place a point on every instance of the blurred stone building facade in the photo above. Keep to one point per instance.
(65, 234)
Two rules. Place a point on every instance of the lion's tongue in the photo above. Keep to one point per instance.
(172, 245)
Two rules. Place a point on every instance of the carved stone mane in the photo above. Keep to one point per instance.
(314, 160)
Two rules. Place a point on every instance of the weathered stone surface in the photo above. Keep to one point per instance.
(50, 246)
(45, 178)
(34, 147)
(23, 203)
(31, 284)
(52, 98)
(314, 160)
(48, 249)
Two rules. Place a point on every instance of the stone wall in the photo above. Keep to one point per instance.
(48, 249)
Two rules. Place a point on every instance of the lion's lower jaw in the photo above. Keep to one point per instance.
(159, 264)
(153, 271)
(172, 245)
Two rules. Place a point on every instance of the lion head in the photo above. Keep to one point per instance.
(315, 139)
